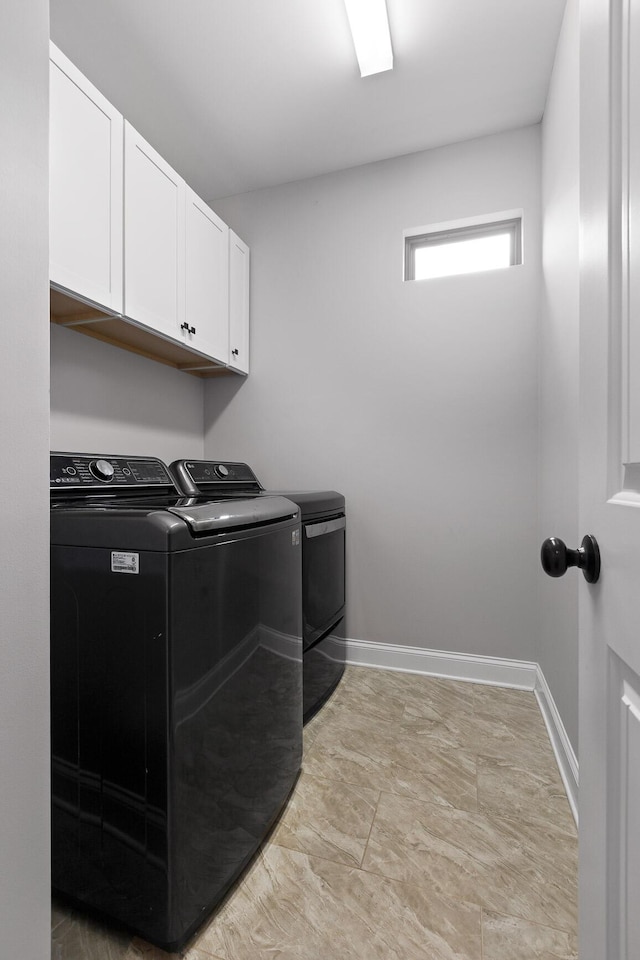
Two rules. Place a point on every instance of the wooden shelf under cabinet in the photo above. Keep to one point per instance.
(76, 315)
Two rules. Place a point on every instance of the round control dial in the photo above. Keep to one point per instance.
(101, 470)
(222, 471)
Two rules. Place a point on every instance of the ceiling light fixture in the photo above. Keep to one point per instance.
(370, 31)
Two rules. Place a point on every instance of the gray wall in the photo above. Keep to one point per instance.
(106, 400)
(417, 400)
(558, 645)
(24, 546)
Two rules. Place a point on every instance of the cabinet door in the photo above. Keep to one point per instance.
(153, 238)
(238, 304)
(85, 187)
(206, 326)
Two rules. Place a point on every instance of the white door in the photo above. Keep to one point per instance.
(610, 479)
(154, 209)
(206, 326)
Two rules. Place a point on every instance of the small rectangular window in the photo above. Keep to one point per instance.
(465, 249)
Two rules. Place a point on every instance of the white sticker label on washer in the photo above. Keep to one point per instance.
(125, 562)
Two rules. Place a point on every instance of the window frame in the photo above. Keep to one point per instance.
(442, 234)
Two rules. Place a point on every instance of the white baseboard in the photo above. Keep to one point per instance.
(521, 674)
(565, 755)
(440, 663)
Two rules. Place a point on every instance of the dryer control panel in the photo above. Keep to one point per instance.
(91, 472)
(196, 477)
(210, 471)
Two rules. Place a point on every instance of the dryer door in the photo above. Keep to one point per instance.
(323, 565)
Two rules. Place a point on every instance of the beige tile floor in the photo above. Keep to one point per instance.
(429, 823)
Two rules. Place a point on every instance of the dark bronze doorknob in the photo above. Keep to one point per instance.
(556, 558)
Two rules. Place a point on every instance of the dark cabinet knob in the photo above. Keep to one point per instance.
(556, 558)
(234, 353)
(191, 329)
(184, 326)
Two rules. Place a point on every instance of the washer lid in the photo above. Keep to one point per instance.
(220, 515)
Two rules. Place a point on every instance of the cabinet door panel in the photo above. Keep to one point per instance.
(206, 280)
(153, 238)
(238, 304)
(85, 187)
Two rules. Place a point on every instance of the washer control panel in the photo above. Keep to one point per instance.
(73, 471)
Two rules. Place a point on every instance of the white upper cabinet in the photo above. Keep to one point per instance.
(206, 320)
(154, 215)
(238, 304)
(162, 274)
(85, 187)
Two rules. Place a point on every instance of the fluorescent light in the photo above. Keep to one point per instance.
(371, 38)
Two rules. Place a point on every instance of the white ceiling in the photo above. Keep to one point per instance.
(242, 94)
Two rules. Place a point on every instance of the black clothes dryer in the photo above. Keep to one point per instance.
(176, 693)
(323, 517)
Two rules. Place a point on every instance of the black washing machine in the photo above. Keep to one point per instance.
(176, 693)
(323, 519)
